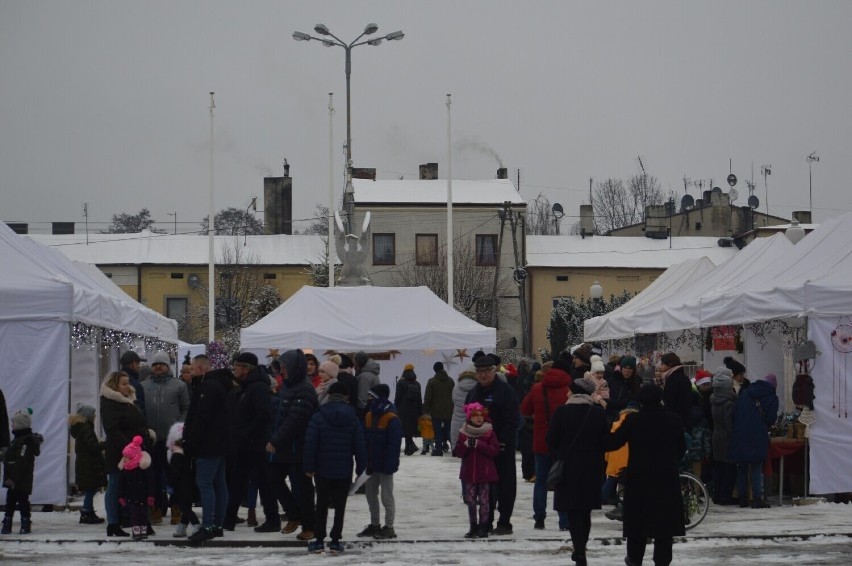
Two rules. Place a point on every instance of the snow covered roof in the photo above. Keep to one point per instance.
(615, 251)
(145, 248)
(488, 192)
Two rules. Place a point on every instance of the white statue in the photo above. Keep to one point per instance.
(353, 251)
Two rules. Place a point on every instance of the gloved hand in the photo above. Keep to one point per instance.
(9, 483)
(122, 501)
(471, 442)
(151, 501)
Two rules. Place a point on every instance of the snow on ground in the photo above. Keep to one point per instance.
(430, 522)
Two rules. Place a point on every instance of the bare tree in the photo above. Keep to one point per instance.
(617, 204)
(540, 219)
(473, 285)
(319, 223)
(233, 222)
(132, 223)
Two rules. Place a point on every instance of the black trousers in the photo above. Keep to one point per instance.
(159, 465)
(298, 502)
(248, 465)
(330, 493)
(507, 485)
(662, 550)
(19, 499)
(580, 525)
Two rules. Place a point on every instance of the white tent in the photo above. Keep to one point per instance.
(623, 321)
(410, 321)
(42, 295)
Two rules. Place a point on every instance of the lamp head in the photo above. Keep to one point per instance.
(375, 42)
(321, 29)
(301, 36)
(370, 29)
(395, 35)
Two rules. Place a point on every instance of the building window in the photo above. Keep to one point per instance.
(426, 249)
(486, 249)
(384, 249)
(270, 276)
(562, 278)
(177, 307)
(177, 275)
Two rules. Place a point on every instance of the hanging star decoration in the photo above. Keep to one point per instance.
(448, 359)
(461, 354)
(273, 353)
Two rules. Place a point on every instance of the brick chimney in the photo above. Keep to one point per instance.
(502, 173)
(278, 203)
(428, 171)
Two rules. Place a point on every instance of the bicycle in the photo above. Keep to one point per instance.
(696, 501)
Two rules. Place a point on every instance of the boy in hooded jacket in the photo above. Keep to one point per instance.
(18, 469)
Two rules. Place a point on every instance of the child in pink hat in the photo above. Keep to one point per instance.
(136, 486)
(477, 445)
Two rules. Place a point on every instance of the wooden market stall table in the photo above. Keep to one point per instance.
(779, 447)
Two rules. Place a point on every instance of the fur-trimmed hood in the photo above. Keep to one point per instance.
(114, 395)
(76, 419)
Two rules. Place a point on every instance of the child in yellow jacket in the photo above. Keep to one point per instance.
(427, 433)
(616, 461)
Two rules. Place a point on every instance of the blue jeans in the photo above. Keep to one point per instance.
(542, 468)
(210, 477)
(442, 433)
(111, 498)
(89, 500)
(608, 489)
(756, 481)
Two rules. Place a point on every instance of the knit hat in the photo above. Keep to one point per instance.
(132, 453)
(485, 361)
(771, 380)
(437, 366)
(338, 389)
(627, 362)
(583, 352)
(735, 366)
(160, 358)
(474, 408)
(86, 411)
(380, 391)
(561, 363)
(408, 367)
(583, 386)
(246, 358)
(329, 367)
(597, 364)
(22, 419)
(722, 379)
(650, 394)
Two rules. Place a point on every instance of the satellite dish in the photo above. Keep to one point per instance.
(732, 179)
(557, 210)
(753, 201)
(733, 194)
(717, 190)
(687, 202)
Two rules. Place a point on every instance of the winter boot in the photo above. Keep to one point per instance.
(116, 531)
(138, 532)
(425, 450)
(175, 513)
(180, 531)
(482, 531)
(251, 520)
(26, 526)
(90, 518)
(7, 525)
(579, 557)
(472, 533)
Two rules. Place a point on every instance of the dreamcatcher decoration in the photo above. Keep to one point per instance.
(841, 341)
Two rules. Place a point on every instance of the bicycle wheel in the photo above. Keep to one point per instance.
(696, 501)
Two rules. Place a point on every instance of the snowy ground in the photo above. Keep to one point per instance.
(430, 522)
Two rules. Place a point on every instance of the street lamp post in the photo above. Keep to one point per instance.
(811, 158)
(369, 29)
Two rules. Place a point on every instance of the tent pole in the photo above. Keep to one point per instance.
(68, 437)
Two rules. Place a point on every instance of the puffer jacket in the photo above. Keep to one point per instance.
(342, 438)
(477, 462)
(19, 461)
(755, 411)
(383, 434)
(89, 472)
(722, 403)
(438, 400)
(298, 402)
(466, 382)
(554, 384)
(166, 402)
(252, 414)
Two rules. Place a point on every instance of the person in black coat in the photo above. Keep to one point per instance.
(409, 405)
(653, 506)
(576, 436)
(677, 392)
(130, 363)
(252, 421)
(206, 434)
(505, 413)
(89, 473)
(623, 387)
(5, 439)
(18, 470)
(297, 403)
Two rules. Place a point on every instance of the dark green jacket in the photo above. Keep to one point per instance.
(19, 462)
(89, 469)
(439, 396)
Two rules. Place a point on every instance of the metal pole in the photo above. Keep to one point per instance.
(450, 272)
(211, 332)
(348, 108)
(810, 189)
(330, 190)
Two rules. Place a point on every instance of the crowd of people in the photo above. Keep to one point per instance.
(293, 433)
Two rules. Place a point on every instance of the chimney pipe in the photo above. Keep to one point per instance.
(502, 173)
(428, 171)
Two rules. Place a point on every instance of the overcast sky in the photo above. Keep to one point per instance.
(106, 102)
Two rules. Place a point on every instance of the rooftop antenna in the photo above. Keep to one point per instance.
(86, 216)
(766, 170)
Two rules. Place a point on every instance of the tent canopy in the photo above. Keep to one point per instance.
(623, 321)
(377, 318)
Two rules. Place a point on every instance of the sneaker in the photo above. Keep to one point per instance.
(201, 535)
(306, 534)
(335, 547)
(316, 547)
(370, 531)
(218, 532)
(192, 529)
(385, 532)
(539, 525)
(760, 504)
(291, 526)
(503, 529)
(180, 531)
(614, 514)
